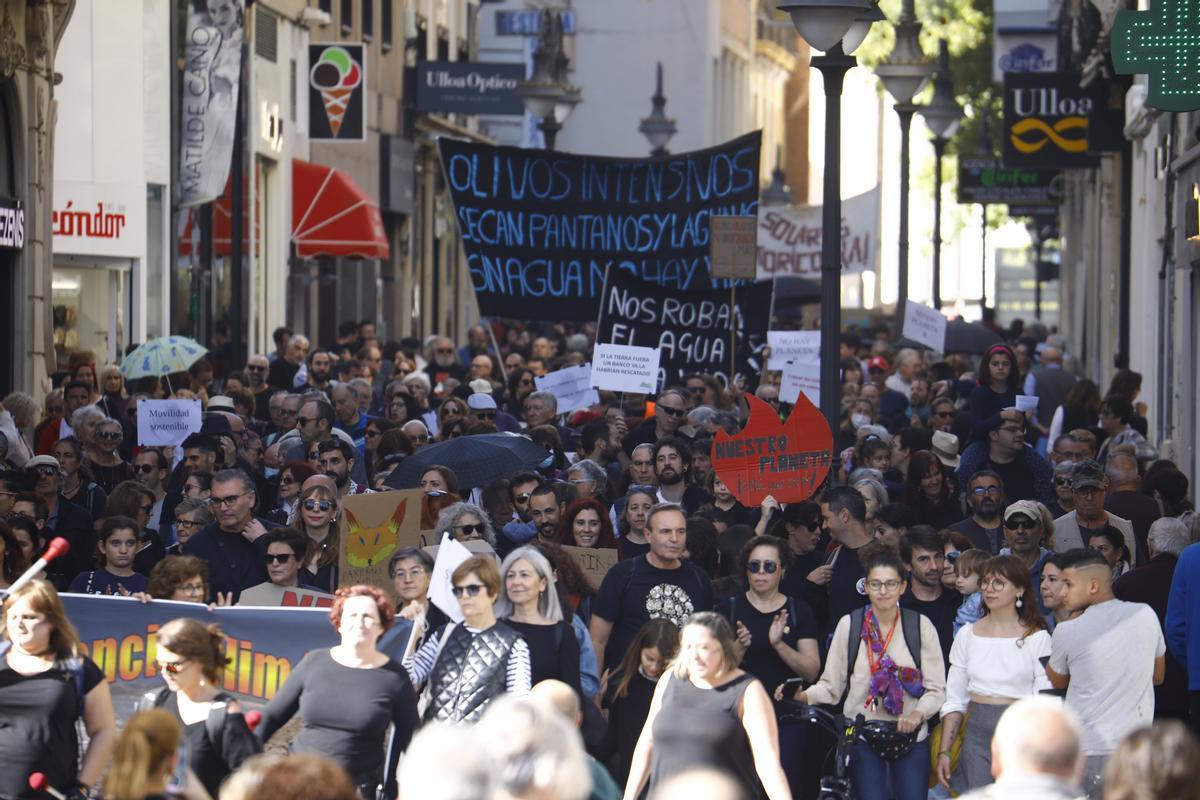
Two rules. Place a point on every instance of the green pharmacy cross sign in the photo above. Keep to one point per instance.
(1164, 44)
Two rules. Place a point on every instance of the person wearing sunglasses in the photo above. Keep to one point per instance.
(77, 483)
(103, 457)
(62, 518)
(230, 546)
(778, 632)
(670, 412)
(466, 522)
(1029, 532)
(191, 659)
(1064, 500)
(316, 515)
(469, 664)
(132, 499)
(151, 468)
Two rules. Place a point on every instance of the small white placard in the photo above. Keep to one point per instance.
(800, 377)
(802, 347)
(572, 388)
(450, 554)
(925, 325)
(625, 368)
(1027, 402)
(430, 418)
(167, 422)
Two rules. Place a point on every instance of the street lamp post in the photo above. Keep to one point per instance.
(904, 73)
(658, 128)
(777, 193)
(546, 94)
(824, 24)
(942, 115)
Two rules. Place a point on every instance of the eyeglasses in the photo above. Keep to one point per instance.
(1062, 481)
(286, 480)
(144, 469)
(876, 586)
(755, 567)
(673, 412)
(227, 501)
(485, 415)
(253, 368)
(188, 525)
(471, 590)
(110, 436)
(980, 491)
(995, 584)
(173, 667)
(278, 558)
(302, 421)
(414, 573)
(314, 505)
(191, 588)
(371, 433)
(444, 352)
(46, 471)
(952, 556)
(1020, 522)
(470, 529)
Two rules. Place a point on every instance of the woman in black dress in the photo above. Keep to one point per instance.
(191, 657)
(46, 686)
(349, 694)
(707, 713)
(529, 604)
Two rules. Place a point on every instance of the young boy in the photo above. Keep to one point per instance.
(118, 545)
(969, 571)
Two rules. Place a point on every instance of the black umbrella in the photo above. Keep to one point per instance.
(963, 337)
(476, 460)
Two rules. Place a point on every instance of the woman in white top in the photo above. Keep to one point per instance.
(993, 663)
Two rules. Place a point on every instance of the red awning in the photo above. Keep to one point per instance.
(333, 216)
(222, 224)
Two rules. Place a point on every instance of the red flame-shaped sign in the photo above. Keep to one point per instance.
(788, 461)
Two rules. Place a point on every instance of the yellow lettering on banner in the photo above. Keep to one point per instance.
(269, 674)
(130, 667)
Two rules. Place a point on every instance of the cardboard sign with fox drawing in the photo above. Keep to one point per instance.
(374, 526)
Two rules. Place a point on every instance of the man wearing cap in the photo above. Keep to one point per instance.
(1026, 475)
(985, 496)
(482, 407)
(65, 519)
(1088, 489)
(1025, 531)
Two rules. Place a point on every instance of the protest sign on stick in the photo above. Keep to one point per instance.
(376, 526)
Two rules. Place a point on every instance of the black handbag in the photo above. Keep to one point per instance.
(886, 741)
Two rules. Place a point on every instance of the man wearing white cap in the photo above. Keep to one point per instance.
(482, 407)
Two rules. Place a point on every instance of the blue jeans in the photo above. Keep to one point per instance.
(908, 776)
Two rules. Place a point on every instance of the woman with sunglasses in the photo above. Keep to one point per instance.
(469, 664)
(77, 485)
(372, 435)
(191, 657)
(316, 515)
(104, 459)
(48, 686)
(291, 477)
(132, 499)
(349, 694)
(994, 663)
(520, 386)
(884, 683)
(452, 411)
(779, 634)
(465, 522)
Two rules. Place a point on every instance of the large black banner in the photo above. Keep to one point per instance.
(540, 228)
(690, 329)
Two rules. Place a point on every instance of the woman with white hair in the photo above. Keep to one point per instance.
(529, 604)
(18, 413)
(466, 522)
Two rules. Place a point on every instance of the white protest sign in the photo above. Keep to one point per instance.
(800, 377)
(925, 325)
(625, 368)
(572, 388)
(166, 422)
(430, 418)
(789, 237)
(1027, 402)
(450, 554)
(798, 346)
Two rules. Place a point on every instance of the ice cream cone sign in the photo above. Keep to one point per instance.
(336, 75)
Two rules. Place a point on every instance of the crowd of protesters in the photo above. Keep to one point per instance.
(997, 540)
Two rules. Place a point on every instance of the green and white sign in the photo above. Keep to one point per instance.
(1163, 44)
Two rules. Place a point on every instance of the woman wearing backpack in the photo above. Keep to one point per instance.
(191, 657)
(46, 686)
(890, 679)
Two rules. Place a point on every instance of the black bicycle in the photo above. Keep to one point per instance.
(848, 732)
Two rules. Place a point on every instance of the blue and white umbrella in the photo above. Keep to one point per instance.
(162, 356)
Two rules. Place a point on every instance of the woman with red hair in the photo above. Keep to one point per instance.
(349, 694)
(586, 524)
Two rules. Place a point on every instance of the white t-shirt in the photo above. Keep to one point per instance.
(1109, 654)
(995, 667)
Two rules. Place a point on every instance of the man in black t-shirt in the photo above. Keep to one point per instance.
(844, 512)
(657, 585)
(921, 550)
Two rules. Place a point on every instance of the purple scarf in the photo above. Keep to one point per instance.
(890, 681)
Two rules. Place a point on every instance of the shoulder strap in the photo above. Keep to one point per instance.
(558, 633)
(852, 645)
(74, 667)
(910, 626)
(155, 698)
(214, 723)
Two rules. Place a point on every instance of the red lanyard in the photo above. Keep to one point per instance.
(872, 661)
